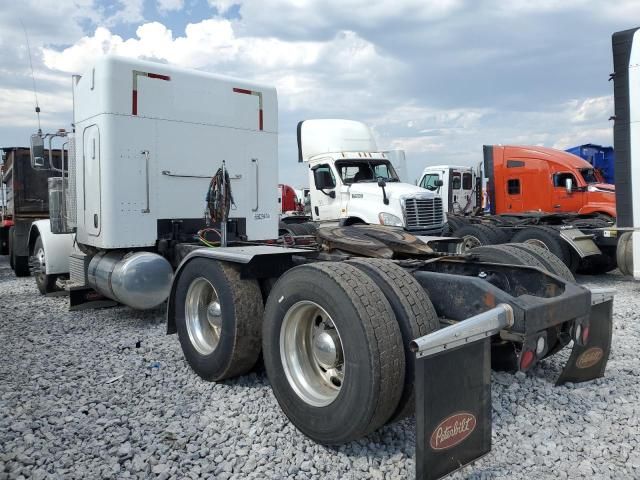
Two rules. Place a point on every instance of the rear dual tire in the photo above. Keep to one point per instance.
(413, 311)
(218, 319)
(477, 235)
(532, 256)
(364, 342)
(549, 238)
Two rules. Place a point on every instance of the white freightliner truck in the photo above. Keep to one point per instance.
(352, 182)
(339, 320)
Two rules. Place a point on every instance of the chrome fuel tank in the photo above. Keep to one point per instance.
(141, 280)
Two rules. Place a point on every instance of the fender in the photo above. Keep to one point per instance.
(605, 208)
(269, 261)
(57, 247)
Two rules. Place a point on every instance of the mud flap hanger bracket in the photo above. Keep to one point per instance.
(476, 328)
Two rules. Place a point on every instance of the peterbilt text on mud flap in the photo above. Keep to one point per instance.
(453, 422)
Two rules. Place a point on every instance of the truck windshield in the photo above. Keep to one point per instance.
(360, 171)
(591, 175)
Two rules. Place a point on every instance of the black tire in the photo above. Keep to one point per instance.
(479, 235)
(551, 239)
(295, 229)
(306, 228)
(21, 266)
(624, 253)
(414, 313)
(370, 339)
(45, 283)
(551, 263)
(507, 254)
(454, 223)
(4, 241)
(514, 254)
(241, 315)
(10, 242)
(602, 263)
(499, 234)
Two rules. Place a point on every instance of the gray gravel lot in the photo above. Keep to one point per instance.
(79, 399)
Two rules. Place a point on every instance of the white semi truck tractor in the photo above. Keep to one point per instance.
(171, 195)
(352, 182)
(147, 140)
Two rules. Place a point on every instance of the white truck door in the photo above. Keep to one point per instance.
(467, 194)
(91, 174)
(323, 206)
(456, 200)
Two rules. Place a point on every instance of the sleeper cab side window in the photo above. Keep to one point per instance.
(466, 181)
(513, 186)
(324, 177)
(456, 182)
(560, 179)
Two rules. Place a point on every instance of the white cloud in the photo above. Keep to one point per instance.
(330, 75)
(17, 109)
(591, 109)
(130, 11)
(165, 6)
(223, 6)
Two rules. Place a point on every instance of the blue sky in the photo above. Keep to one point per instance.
(437, 78)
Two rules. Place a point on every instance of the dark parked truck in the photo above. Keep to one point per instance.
(26, 200)
(602, 158)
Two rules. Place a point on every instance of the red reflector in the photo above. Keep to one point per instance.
(585, 334)
(526, 359)
(134, 103)
(157, 75)
(242, 90)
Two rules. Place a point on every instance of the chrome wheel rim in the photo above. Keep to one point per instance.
(203, 316)
(471, 242)
(537, 243)
(38, 264)
(311, 353)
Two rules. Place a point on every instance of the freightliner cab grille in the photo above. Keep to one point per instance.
(423, 212)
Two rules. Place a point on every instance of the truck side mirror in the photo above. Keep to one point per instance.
(439, 183)
(381, 182)
(37, 151)
(323, 179)
(568, 185)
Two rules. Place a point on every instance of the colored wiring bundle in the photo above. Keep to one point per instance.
(202, 236)
(219, 198)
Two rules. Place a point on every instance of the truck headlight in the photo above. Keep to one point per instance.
(389, 219)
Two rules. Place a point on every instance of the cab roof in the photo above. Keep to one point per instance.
(546, 153)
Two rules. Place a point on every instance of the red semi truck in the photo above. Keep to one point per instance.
(532, 194)
(526, 179)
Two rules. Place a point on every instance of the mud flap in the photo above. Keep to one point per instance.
(453, 424)
(453, 393)
(588, 360)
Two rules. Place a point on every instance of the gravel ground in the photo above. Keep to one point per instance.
(105, 393)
